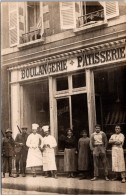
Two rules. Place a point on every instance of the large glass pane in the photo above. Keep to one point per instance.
(35, 104)
(63, 117)
(62, 83)
(79, 80)
(79, 114)
(111, 110)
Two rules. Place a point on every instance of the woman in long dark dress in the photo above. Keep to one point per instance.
(70, 162)
(84, 155)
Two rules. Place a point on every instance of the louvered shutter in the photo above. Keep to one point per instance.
(77, 12)
(111, 9)
(13, 23)
(40, 22)
(67, 15)
(21, 20)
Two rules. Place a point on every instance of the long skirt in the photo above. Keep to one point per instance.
(70, 160)
(118, 163)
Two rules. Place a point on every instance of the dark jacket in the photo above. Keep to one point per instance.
(21, 138)
(8, 145)
(104, 140)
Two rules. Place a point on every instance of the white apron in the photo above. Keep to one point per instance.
(49, 154)
(118, 162)
(34, 157)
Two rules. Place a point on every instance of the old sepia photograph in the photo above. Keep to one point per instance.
(63, 97)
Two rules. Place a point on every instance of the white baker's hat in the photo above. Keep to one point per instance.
(45, 128)
(35, 126)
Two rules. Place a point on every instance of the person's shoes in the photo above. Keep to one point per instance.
(106, 178)
(10, 175)
(83, 177)
(69, 176)
(55, 176)
(3, 175)
(47, 176)
(23, 175)
(34, 174)
(94, 178)
(115, 179)
(72, 175)
(17, 175)
(123, 180)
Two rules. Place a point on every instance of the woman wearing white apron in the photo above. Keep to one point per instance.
(118, 163)
(34, 142)
(49, 143)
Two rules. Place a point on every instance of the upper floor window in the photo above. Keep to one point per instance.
(91, 12)
(33, 15)
(25, 22)
(81, 13)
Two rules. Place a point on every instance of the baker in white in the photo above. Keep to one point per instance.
(35, 143)
(49, 143)
(118, 161)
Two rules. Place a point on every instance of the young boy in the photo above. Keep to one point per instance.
(8, 145)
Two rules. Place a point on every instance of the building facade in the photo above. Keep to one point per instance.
(64, 64)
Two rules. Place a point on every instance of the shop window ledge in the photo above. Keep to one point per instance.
(91, 26)
(108, 152)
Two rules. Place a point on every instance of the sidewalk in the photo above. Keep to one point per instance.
(63, 185)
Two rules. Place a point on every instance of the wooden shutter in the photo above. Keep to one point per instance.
(77, 12)
(46, 23)
(67, 15)
(40, 22)
(21, 20)
(13, 23)
(111, 9)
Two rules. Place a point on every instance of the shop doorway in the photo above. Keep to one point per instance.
(35, 104)
(71, 112)
(111, 105)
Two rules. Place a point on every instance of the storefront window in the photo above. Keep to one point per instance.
(35, 104)
(111, 105)
(79, 80)
(79, 114)
(62, 83)
(63, 117)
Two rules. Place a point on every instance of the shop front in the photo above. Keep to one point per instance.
(76, 89)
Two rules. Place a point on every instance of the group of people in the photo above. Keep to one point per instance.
(31, 151)
(34, 150)
(96, 144)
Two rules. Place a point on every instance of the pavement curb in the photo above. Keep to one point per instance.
(60, 190)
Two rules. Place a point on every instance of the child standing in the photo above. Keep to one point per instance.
(84, 156)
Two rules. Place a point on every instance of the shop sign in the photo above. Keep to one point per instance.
(74, 63)
(44, 69)
(101, 57)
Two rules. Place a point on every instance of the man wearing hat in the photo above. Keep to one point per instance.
(49, 143)
(21, 151)
(7, 152)
(34, 143)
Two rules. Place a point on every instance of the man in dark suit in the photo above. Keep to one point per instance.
(21, 151)
(98, 144)
(7, 152)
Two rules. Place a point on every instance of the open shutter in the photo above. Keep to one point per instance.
(13, 23)
(111, 9)
(67, 15)
(77, 12)
(21, 20)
